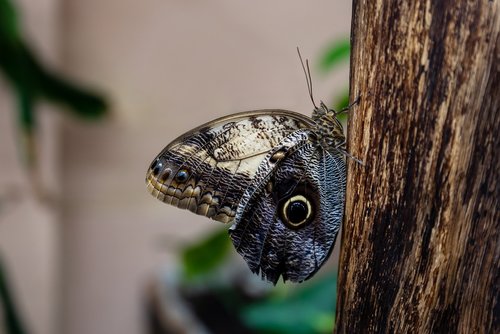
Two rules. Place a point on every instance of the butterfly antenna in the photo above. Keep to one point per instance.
(307, 73)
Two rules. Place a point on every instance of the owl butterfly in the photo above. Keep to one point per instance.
(277, 176)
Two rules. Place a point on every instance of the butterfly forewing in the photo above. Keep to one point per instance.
(217, 161)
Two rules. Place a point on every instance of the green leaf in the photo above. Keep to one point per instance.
(10, 315)
(340, 102)
(205, 256)
(27, 124)
(309, 310)
(81, 101)
(335, 54)
(9, 28)
(31, 81)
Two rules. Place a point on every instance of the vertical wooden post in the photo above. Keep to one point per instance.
(421, 237)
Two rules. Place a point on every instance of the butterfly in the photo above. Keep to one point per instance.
(277, 176)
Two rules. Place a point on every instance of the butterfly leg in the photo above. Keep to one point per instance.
(346, 109)
(347, 154)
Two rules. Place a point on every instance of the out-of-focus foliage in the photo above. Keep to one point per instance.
(10, 315)
(341, 101)
(336, 54)
(308, 309)
(208, 254)
(31, 81)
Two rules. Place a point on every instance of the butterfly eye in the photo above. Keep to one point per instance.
(156, 167)
(296, 211)
(182, 176)
(165, 174)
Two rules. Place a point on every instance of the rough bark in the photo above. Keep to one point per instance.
(420, 244)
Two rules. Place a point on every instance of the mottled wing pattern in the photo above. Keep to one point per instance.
(208, 169)
(261, 234)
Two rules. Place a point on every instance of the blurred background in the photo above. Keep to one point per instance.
(83, 247)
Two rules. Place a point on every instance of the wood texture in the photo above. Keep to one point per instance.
(420, 244)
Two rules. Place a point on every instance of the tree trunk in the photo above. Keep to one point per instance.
(420, 244)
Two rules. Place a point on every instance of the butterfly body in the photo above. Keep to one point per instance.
(277, 176)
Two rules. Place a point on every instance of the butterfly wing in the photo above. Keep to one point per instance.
(208, 169)
(288, 218)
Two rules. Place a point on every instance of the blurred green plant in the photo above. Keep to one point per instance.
(204, 257)
(335, 55)
(13, 324)
(308, 309)
(31, 81)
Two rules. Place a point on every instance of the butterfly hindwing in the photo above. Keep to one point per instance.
(274, 238)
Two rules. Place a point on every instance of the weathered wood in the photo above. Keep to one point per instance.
(420, 244)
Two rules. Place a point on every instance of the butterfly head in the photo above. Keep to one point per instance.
(330, 131)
